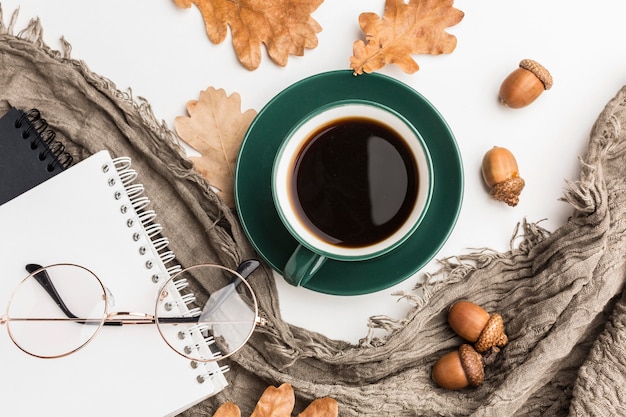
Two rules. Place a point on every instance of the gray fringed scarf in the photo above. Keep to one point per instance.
(560, 293)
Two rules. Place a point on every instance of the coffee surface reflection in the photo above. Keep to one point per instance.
(354, 182)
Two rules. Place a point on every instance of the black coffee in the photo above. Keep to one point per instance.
(355, 182)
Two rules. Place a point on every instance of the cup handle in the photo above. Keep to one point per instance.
(302, 265)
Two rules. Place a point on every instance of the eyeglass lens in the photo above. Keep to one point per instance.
(226, 318)
(37, 323)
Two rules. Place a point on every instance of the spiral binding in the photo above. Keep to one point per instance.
(37, 127)
(142, 220)
(211, 374)
(141, 215)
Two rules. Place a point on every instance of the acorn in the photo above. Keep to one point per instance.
(472, 323)
(525, 84)
(501, 174)
(459, 369)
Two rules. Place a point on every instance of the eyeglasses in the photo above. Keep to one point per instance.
(58, 309)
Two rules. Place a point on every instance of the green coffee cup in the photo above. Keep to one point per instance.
(350, 182)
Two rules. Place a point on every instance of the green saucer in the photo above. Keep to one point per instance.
(253, 194)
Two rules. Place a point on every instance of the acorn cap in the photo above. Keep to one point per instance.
(508, 190)
(472, 363)
(492, 335)
(539, 70)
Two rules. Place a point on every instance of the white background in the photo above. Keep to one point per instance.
(163, 54)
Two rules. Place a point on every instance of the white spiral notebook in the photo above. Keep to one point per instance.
(77, 217)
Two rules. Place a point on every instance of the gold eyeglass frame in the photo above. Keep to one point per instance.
(121, 318)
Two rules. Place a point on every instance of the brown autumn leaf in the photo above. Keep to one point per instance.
(416, 27)
(285, 27)
(321, 407)
(215, 128)
(275, 402)
(279, 402)
(228, 409)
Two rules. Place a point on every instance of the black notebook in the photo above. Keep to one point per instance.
(29, 153)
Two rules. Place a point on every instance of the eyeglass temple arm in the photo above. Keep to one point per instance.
(43, 278)
(247, 267)
(244, 269)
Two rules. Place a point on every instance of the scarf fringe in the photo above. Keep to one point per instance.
(452, 270)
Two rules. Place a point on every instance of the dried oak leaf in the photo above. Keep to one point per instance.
(321, 407)
(285, 27)
(279, 402)
(228, 409)
(275, 402)
(215, 128)
(416, 27)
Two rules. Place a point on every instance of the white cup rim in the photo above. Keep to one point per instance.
(347, 108)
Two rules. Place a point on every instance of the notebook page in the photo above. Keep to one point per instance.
(125, 370)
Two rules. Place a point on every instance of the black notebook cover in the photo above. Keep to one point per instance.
(29, 153)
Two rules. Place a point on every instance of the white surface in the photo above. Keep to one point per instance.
(164, 55)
